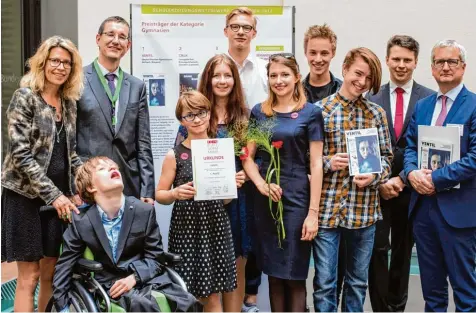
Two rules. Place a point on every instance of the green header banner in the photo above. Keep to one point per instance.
(269, 48)
(207, 9)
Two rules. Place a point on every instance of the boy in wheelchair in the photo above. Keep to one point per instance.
(122, 233)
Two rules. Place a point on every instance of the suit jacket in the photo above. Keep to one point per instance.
(129, 144)
(382, 98)
(138, 249)
(456, 205)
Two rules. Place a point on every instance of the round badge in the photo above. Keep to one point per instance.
(184, 156)
(294, 115)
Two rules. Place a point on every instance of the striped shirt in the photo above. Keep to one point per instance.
(343, 204)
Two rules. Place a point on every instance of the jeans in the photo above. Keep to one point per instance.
(359, 244)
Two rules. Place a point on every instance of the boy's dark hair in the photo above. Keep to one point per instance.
(84, 177)
(116, 19)
(405, 42)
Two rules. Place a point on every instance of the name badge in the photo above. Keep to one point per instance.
(460, 127)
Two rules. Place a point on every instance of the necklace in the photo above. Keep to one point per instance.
(59, 132)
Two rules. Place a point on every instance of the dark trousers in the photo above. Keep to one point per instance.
(388, 284)
(444, 252)
(252, 275)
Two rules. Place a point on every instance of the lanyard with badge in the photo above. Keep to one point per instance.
(112, 98)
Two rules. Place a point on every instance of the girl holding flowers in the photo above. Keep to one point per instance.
(283, 129)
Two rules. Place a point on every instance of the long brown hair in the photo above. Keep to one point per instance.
(236, 110)
(298, 95)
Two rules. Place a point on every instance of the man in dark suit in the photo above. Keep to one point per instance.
(113, 116)
(388, 286)
(123, 234)
(444, 217)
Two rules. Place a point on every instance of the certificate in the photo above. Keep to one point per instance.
(214, 169)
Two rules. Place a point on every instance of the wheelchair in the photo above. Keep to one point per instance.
(87, 295)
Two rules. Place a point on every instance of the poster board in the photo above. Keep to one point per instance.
(171, 45)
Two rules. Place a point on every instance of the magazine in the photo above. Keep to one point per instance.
(364, 151)
(435, 154)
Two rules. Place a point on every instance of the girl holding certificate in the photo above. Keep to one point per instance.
(298, 128)
(220, 83)
(200, 231)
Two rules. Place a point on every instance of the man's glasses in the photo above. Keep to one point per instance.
(111, 36)
(191, 116)
(236, 27)
(452, 63)
(56, 63)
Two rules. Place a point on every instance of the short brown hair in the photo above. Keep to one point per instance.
(405, 42)
(115, 19)
(242, 11)
(372, 60)
(194, 101)
(320, 31)
(298, 95)
(84, 177)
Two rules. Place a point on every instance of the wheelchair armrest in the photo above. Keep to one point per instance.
(89, 265)
(171, 259)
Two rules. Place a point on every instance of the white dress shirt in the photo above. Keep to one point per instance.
(451, 97)
(406, 97)
(116, 78)
(254, 79)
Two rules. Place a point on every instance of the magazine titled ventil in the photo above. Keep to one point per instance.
(435, 154)
(364, 151)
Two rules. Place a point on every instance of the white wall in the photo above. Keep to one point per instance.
(368, 23)
(59, 17)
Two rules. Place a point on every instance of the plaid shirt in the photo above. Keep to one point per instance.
(342, 202)
(112, 227)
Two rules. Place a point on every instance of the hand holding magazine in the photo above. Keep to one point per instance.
(438, 146)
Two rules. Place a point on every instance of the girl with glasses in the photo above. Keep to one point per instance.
(200, 231)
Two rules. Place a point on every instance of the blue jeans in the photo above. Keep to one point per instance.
(359, 244)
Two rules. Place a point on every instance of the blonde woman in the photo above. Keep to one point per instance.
(38, 166)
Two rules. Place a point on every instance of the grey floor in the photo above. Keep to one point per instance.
(415, 302)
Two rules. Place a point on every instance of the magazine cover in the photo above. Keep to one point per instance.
(364, 151)
(435, 154)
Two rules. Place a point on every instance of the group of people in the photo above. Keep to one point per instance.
(94, 127)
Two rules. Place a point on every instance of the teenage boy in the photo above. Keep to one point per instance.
(320, 44)
(123, 235)
(388, 285)
(349, 205)
(240, 30)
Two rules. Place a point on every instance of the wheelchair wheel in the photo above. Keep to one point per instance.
(76, 304)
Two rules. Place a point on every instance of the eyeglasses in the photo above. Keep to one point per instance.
(111, 36)
(285, 55)
(56, 63)
(236, 27)
(191, 117)
(452, 63)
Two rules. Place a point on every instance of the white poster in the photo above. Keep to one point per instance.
(171, 45)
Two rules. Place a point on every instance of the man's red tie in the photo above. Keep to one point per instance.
(398, 125)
